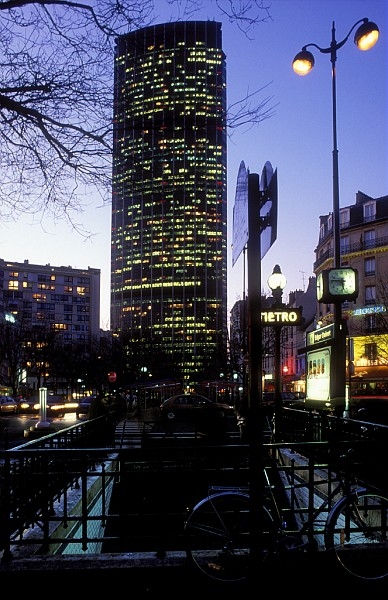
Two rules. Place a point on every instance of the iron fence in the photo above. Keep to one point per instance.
(67, 494)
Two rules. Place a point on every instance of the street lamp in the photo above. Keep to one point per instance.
(277, 282)
(365, 38)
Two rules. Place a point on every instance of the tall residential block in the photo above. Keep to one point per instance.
(63, 299)
(169, 205)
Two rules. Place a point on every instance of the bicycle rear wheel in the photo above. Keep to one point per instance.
(357, 532)
(217, 535)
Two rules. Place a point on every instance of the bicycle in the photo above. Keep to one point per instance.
(217, 530)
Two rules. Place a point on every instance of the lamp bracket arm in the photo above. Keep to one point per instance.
(338, 45)
(323, 50)
(334, 44)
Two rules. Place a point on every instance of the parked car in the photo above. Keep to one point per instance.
(193, 407)
(101, 406)
(26, 405)
(287, 399)
(83, 407)
(8, 405)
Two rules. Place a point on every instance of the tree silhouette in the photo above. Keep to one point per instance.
(56, 96)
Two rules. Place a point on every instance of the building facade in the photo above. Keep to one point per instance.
(169, 204)
(42, 301)
(364, 247)
(65, 299)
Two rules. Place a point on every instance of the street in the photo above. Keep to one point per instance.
(13, 427)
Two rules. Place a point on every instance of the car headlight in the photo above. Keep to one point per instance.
(73, 405)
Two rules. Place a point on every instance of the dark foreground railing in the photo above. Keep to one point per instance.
(66, 497)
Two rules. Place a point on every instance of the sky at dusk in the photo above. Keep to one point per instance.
(296, 140)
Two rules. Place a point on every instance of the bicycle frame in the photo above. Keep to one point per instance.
(222, 531)
(338, 484)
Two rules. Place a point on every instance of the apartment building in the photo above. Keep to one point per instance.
(66, 299)
(363, 246)
(52, 299)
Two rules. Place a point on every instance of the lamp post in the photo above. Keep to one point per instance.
(277, 282)
(365, 38)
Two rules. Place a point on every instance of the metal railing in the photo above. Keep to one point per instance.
(57, 498)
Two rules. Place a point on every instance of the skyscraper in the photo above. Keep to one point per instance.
(169, 205)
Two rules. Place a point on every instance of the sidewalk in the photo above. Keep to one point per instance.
(154, 578)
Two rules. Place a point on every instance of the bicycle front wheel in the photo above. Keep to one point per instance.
(357, 532)
(217, 536)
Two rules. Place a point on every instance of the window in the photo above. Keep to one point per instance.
(369, 211)
(371, 352)
(370, 266)
(42, 278)
(59, 326)
(82, 309)
(344, 244)
(344, 217)
(82, 290)
(45, 306)
(370, 294)
(369, 239)
(369, 323)
(82, 318)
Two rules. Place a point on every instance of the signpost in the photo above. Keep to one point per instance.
(259, 205)
(265, 189)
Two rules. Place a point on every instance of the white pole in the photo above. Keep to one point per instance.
(42, 409)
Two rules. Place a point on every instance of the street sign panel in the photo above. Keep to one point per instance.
(268, 207)
(240, 214)
(268, 193)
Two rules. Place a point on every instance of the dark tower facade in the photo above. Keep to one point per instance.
(169, 205)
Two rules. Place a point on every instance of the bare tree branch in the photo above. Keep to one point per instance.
(56, 96)
(245, 112)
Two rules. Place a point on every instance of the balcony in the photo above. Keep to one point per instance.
(352, 249)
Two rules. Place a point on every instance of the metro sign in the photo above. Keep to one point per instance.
(282, 316)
